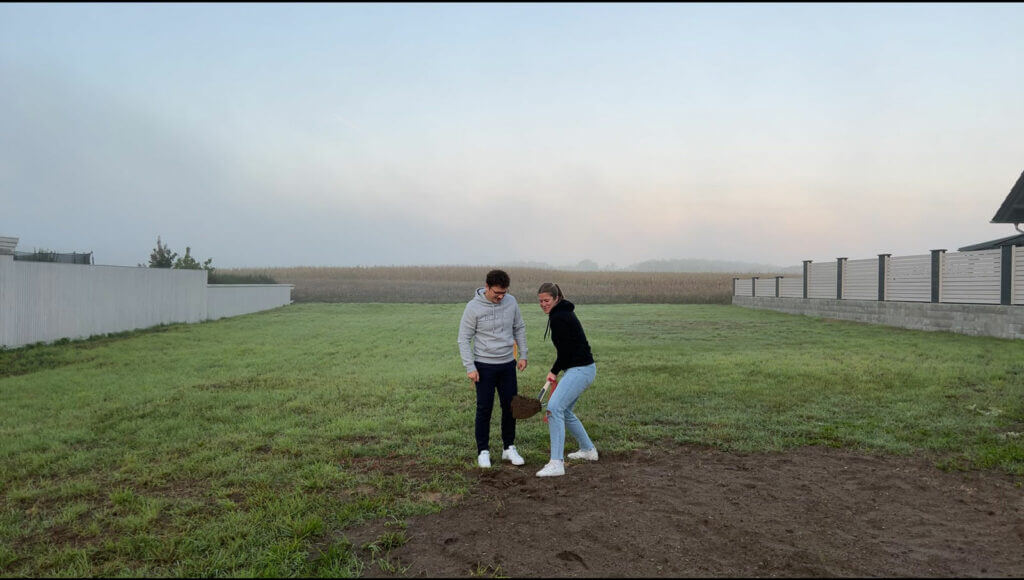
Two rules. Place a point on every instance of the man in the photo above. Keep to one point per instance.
(491, 328)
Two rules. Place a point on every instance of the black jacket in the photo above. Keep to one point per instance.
(567, 335)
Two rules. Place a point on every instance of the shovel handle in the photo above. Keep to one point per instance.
(540, 397)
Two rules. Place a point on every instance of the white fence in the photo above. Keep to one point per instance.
(45, 301)
(909, 279)
(1018, 275)
(764, 287)
(233, 299)
(957, 277)
(821, 280)
(860, 280)
(971, 277)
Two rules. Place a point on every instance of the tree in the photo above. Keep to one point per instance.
(162, 256)
(187, 262)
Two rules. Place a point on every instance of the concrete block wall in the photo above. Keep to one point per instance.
(1002, 321)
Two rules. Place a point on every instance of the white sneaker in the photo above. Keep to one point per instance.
(589, 455)
(484, 459)
(512, 455)
(554, 468)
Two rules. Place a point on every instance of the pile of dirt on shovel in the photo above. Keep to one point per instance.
(689, 511)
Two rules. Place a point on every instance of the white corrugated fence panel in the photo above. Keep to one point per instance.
(860, 280)
(1017, 291)
(971, 277)
(822, 280)
(764, 287)
(791, 287)
(48, 301)
(235, 299)
(909, 279)
(744, 287)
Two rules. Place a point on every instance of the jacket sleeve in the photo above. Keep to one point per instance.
(558, 329)
(467, 330)
(519, 332)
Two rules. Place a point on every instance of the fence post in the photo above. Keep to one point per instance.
(753, 285)
(840, 262)
(807, 272)
(734, 286)
(937, 275)
(883, 263)
(1006, 276)
(778, 282)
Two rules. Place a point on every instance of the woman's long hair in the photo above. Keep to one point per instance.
(551, 289)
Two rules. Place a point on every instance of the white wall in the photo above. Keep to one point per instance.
(235, 299)
(46, 301)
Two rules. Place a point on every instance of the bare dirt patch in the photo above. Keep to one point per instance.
(690, 511)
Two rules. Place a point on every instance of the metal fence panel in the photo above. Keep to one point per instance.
(971, 277)
(764, 287)
(822, 280)
(1018, 275)
(744, 287)
(860, 280)
(791, 287)
(909, 279)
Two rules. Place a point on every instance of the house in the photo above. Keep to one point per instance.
(1011, 212)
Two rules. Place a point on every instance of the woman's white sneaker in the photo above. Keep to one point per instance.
(589, 455)
(554, 468)
(484, 459)
(512, 455)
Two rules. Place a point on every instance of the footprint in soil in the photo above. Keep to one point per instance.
(572, 557)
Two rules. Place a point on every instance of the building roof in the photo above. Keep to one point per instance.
(1015, 240)
(1012, 210)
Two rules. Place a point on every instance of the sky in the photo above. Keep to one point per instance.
(273, 135)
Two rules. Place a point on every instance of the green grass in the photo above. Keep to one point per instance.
(246, 446)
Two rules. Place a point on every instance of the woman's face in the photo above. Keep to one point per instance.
(547, 302)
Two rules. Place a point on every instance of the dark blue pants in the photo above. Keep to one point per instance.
(500, 377)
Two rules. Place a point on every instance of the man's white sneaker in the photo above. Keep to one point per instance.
(589, 455)
(512, 455)
(484, 459)
(554, 468)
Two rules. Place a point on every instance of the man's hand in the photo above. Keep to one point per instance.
(521, 365)
(474, 376)
(552, 378)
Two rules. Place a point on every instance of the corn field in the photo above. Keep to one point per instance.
(452, 284)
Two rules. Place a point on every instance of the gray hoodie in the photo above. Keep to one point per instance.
(492, 329)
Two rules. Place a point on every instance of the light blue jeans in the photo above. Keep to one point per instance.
(560, 415)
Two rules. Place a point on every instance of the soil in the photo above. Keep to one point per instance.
(692, 511)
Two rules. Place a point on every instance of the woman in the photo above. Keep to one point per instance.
(573, 356)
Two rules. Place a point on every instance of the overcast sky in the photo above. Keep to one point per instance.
(336, 135)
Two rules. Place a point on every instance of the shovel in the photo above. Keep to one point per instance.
(525, 407)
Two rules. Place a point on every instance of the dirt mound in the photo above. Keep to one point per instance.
(692, 511)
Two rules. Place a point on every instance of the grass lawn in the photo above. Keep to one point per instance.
(245, 446)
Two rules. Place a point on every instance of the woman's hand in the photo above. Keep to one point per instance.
(552, 378)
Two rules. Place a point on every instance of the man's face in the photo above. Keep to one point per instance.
(495, 293)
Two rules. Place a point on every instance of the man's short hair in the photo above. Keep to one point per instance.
(498, 278)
